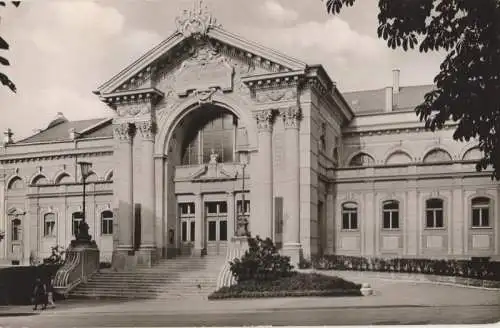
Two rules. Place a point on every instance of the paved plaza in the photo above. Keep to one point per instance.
(394, 302)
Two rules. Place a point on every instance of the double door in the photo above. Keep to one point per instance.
(216, 217)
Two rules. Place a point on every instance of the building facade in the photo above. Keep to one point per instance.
(211, 129)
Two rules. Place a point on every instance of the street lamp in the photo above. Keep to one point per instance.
(83, 228)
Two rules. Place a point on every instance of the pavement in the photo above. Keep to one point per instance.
(390, 296)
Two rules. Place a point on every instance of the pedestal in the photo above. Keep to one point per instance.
(124, 259)
(147, 256)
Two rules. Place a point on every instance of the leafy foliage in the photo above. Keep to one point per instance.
(468, 84)
(56, 256)
(261, 262)
(4, 45)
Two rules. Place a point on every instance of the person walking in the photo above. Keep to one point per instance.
(50, 292)
(39, 294)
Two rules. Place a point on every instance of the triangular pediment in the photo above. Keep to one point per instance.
(183, 48)
(212, 172)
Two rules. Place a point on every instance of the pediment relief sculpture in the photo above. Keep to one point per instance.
(275, 95)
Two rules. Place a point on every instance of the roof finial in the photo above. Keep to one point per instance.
(196, 21)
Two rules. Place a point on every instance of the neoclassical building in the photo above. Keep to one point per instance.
(210, 128)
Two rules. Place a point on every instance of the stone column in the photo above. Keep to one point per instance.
(291, 229)
(123, 193)
(199, 224)
(160, 195)
(262, 211)
(230, 215)
(148, 246)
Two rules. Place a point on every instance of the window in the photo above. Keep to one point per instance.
(77, 217)
(49, 225)
(214, 133)
(92, 177)
(434, 213)
(437, 155)
(40, 180)
(107, 223)
(184, 230)
(192, 231)
(223, 230)
(349, 216)
(16, 183)
(391, 214)
(186, 212)
(186, 209)
(64, 178)
(212, 230)
(481, 212)
(16, 229)
(362, 160)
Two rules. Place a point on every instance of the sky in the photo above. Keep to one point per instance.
(63, 50)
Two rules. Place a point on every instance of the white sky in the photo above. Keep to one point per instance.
(63, 50)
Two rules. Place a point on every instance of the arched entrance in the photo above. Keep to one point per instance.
(206, 152)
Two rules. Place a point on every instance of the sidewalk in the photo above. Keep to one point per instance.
(386, 294)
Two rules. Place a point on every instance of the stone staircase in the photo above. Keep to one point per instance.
(182, 277)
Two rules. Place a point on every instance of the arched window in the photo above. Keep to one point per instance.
(92, 177)
(434, 213)
(349, 216)
(63, 178)
(49, 225)
(362, 159)
(16, 229)
(398, 157)
(76, 218)
(437, 155)
(16, 183)
(473, 154)
(212, 132)
(109, 176)
(391, 214)
(481, 212)
(107, 223)
(40, 180)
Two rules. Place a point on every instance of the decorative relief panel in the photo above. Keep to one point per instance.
(434, 242)
(134, 109)
(481, 241)
(349, 243)
(275, 95)
(390, 242)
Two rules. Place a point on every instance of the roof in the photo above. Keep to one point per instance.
(373, 101)
(59, 131)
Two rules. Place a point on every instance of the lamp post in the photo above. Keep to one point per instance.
(242, 221)
(83, 230)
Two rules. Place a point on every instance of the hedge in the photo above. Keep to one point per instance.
(480, 268)
(17, 282)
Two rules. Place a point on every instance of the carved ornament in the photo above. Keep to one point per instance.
(291, 117)
(277, 95)
(196, 21)
(122, 132)
(134, 109)
(265, 120)
(147, 129)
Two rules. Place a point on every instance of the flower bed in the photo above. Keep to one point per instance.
(298, 284)
(477, 269)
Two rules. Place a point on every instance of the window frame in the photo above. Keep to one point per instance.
(434, 211)
(391, 211)
(54, 228)
(109, 225)
(73, 219)
(344, 210)
(488, 207)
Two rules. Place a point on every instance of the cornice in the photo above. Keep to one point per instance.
(398, 129)
(132, 96)
(40, 156)
(69, 194)
(272, 80)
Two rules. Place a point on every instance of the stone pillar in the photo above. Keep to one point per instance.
(262, 212)
(199, 228)
(147, 253)
(124, 195)
(291, 229)
(231, 210)
(160, 195)
(457, 221)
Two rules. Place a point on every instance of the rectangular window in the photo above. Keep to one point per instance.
(476, 217)
(429, 219)
(222, 230)
(49, 225)
(345, 221)
(107, 227)
(192, 231)
(222, 207)
(211, 207)
(387, 220)
(485, 216)
(184, 231)
(439, 219)
(395, 220)
(354, 221)
(212, 230)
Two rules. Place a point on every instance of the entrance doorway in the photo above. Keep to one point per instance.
(216, 227)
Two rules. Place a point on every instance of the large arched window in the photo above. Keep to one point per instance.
(76, 218)
(16, 183)
(434, 213)
(473, 154)
(362, 159)
(481, 212)
(398, 157)
(92, 177)
(349, 216)
(49, 225)
(391, 214)
(211, 132)
(107, 223)
(437, 155)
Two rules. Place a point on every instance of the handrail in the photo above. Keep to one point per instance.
(236, 249)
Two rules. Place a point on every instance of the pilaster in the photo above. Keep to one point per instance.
(231, 210)
(160, 195)
(199, 224)
(291, 230)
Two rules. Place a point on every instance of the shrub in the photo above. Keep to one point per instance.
(16, 283)
(475, 268)
(261, 262)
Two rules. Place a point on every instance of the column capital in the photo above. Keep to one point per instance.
(291, 117)
(123, 132)
(265, 120)
(147, 129)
